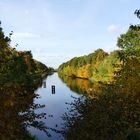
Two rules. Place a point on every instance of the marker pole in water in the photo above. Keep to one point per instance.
(44, 84)
(53, 89)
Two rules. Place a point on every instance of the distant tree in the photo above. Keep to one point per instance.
(137, 13)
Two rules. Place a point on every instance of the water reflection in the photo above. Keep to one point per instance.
(82, 86)
(17, 113)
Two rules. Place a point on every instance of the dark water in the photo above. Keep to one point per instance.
(55, 105)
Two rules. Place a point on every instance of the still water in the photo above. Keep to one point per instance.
(55, 105)
(22, 109)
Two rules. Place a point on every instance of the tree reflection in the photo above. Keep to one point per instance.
(82, 86)
(17, 113)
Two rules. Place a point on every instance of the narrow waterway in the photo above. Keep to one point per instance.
(55, 105)
(103, 115)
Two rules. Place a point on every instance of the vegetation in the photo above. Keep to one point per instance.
(129, 76)
(18, 67)
(20, 76)
(104, 67)
(18, 112)
(97, 66)
(115, 113)
(110, 115)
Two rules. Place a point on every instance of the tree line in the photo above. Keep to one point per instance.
(18, 66)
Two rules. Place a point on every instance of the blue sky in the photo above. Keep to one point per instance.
(57, 30)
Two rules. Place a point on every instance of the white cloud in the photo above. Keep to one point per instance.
(24, 35)
(114, 29)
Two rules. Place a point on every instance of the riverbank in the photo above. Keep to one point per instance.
(98, 66)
